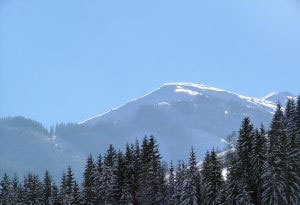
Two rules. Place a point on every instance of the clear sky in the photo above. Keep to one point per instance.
(67, 60)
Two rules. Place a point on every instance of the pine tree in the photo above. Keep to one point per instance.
(136, 175)
(47, 189)
(290, 154)
(132, 174)
(145, 166)
(130, 190)
(274, 186)
(63, 189)
(240, 187)
(152, 182)
(180, 176)
(222, 194)
(258, 158)
(76, 199)
(109, 163)
(98, 183)
(5, 190)
(156, 174)
(55, 200)
(189, 196)
(298, 116)
(16, 191)
(215, 178)
(69, 185)
(290, 118)
(205, 178)
(233, 185)
(33, 190)
(89, 187)
(171, 186)
(199, 188)
(118, 180)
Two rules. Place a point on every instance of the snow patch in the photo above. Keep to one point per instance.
(224, 173)
(163, 104)
(183, 90)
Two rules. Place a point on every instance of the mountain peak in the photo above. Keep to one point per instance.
(173, 92)
(278, 97)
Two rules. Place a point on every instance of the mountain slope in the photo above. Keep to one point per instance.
(26, 147)
(179, 115)
(279, 97)
(172, 92)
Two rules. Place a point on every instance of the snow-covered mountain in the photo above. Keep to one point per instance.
(176, 92)
(279, 97)
(179, 115)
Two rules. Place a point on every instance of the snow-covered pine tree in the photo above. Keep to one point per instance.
(136, 173)
(180, 176)
(239, 183)
(55, 200)
(215, 181)
(34, 190)
(274, 186)
(98, 177)
(69, 185)
(63, 189)
(109, 163)
(88, 185)
(244, 150)
(144, 177)
(290, 116)
(290, 154)
(162, 184)
(189, 194)
(37, 190)
(130, 191)
(76, 198)
(258, 158)
(297, 121)
(16, 191)
(171, 186)
(5, 190)
(156, 180)
(244, 196)
(118, 180)
(199, 188)
(298, 116)
(205, 178)
(152, 183)
(47, 188)
(236, 190)
(222, 194)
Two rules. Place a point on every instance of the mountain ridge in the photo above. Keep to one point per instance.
(181, 87)
(180, 116)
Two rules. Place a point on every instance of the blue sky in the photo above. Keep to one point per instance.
(69, 60)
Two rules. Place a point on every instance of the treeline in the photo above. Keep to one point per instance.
(263, 168)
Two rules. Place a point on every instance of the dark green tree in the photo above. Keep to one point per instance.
(189, 194)
(88, 185)
(76, 198)
(69, 185)
(274, 187)
(47, 189)
(171, 186)
(5, 190)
